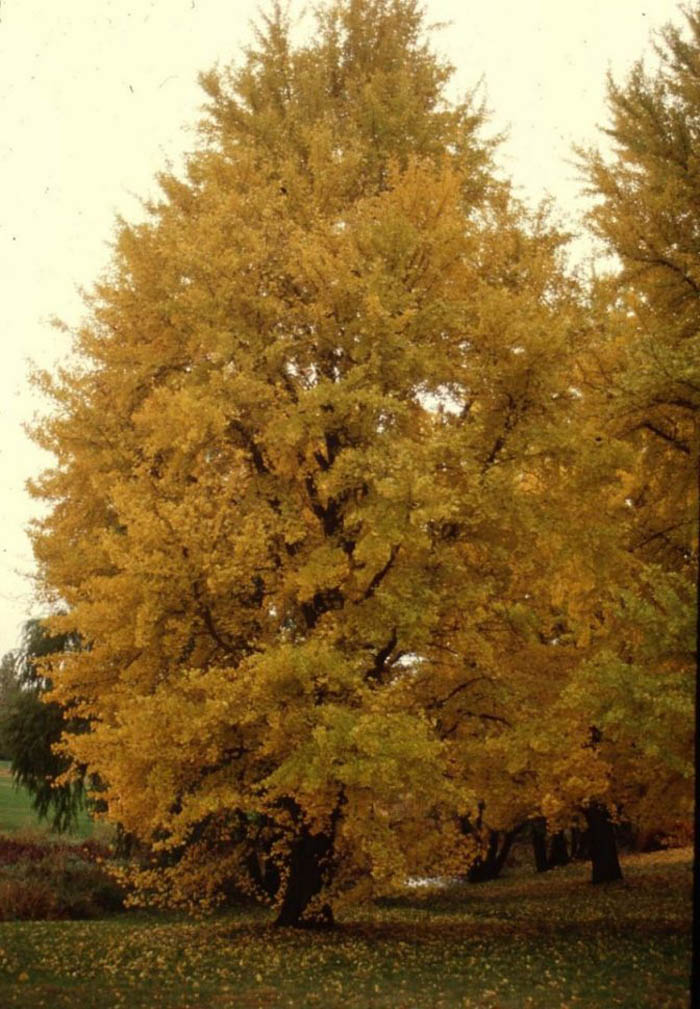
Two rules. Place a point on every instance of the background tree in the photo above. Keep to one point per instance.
(608, 732)
(30, 727)
(642, 380)
(8, 686)
(646, 215)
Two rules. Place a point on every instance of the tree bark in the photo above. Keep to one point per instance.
(307, 871)
(580, 844)
(604, 861)
(558, 851)
(539, 845)
(491, 865)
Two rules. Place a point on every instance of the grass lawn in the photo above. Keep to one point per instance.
(17, 815)
(544, 942)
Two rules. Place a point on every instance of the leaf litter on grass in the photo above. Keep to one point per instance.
(543, 943)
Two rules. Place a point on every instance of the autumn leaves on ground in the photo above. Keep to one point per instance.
(524, 941)
(369, 554)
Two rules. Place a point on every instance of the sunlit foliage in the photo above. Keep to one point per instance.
(341, 503)
(641, 374)
(290, 481)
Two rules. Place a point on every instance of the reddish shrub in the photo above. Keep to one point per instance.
(26, 900)
(13, 849)
(16, 850)
(55, 880)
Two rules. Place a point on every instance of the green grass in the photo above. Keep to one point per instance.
(17, 815)
(545, 942)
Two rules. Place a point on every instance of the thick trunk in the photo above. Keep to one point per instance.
(558, 850)
(539, 845)
(307, 872)
(605, 863)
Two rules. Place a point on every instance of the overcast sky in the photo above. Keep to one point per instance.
(96, 95)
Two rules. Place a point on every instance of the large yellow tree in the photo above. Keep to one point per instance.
(289, 452)
(598, 665)
(642, 377)
(646, 214)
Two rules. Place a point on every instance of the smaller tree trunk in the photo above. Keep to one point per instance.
(604, 860)
(558, 850)
(580, 844)
(539, 845)
(491, 864)
(264, 874)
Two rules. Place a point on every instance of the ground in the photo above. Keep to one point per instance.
(543, 942)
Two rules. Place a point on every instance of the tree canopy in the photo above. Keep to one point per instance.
(320, 508)
(642, 375)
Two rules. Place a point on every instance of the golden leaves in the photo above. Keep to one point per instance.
(321, 511)
(427, 947)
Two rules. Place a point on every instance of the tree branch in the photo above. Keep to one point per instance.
(381, 574)
(457, 690)
(254, 449)
(381, 657)
(476, 714)
(660, 433)
(658, 260)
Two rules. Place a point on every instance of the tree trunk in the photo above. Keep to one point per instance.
(604, 860)
(490, 866)
(539, 845)
(307, 870)
(558, 850)
(580, 844)
(264, 873)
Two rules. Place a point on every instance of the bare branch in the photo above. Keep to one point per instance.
(476, 714)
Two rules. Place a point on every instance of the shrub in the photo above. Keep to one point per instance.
(26, 900)
(55, 881)
(18, 850)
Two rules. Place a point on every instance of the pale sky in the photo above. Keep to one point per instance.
(96, 95)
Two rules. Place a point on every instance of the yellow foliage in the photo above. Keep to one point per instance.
(317, 510)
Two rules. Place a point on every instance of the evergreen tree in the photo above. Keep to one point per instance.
(30, 728)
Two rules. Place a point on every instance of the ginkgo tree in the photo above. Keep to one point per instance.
(289, 488)
(645, 213)
(642, 377)
(603, 727)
